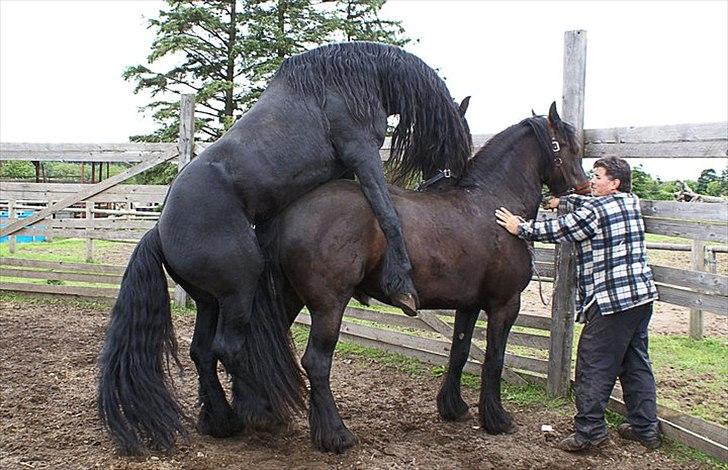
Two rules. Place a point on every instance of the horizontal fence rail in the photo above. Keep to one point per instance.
(707, 140)
(703, 140)
(123, 193)
(112, 153)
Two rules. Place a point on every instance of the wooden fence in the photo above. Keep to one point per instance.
(539, 347)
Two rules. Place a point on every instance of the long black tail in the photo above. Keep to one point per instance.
(269, 354)
(270, 364)
(135, 401)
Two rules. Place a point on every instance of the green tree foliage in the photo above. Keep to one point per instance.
(706, 177)
(225, 51)
(359, 21)
(709, 183)
(17, 170)
(644, 186)
(717, 185)
(647, 187)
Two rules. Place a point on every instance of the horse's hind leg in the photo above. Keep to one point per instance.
(328, 432)
(450, 403)
(224, 261)
(493, 418)
(268, 384)
(216, 417)
(232, 345)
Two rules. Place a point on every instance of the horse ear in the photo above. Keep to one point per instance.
(464, 105)
(553, 114)
(533, 113)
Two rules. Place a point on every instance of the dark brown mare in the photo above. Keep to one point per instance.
(330, 248)
(322, 117)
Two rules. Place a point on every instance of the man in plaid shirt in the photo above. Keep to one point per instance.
(615, 292)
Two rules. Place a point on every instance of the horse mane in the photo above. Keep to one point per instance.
(431, 135)
(500, 145)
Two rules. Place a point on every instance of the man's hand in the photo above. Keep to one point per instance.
(505, 219)
(551, 203)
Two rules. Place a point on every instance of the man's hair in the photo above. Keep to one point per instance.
(616, 168)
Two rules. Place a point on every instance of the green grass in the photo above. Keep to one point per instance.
(688, 455)
(526, 395)
(653, 238)
(694, 375)
(72, 301)
(691, 376)
(101, 304)
(72, 250)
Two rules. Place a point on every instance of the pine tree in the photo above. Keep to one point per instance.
(206, 41)
(359, 21)
(706, 177)
(227, 50)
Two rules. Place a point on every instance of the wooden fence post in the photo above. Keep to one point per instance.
(89, 227)
(185, 145)
(697, 255)
(11, 215)
(49, 233)
(562, 309)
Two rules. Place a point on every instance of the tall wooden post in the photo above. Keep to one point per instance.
(562, 307)
(89, 228)
(185, 145)
(697, 255)
(11, 216)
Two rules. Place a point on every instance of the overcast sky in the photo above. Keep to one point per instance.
(648, 63)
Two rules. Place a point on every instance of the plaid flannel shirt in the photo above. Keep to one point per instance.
(609, 235)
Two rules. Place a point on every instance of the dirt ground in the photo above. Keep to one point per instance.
(47, 413)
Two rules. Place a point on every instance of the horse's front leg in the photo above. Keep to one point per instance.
(493, 418)
(450, 403)
(396, 279)
(328, 432)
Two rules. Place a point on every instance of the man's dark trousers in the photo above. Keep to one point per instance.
(610, 346)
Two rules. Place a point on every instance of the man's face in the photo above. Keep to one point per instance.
(601, 184)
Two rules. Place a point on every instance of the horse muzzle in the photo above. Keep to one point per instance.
(583, 189)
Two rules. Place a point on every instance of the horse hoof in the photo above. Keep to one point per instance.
(273, 427)
(500, 428)
(407, 303)
(338, 443)
(510, 429)
(224, 427)
(453, 411)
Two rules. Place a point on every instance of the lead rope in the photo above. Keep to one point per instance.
(529, 245)
(531, 250)
(535, 270)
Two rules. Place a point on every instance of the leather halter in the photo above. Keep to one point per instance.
(441, 174)
(557, 162)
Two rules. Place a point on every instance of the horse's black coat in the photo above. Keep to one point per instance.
(322, 116)
(330, 249)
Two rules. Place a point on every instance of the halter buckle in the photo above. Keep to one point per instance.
(555, 145)
(440, 175)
